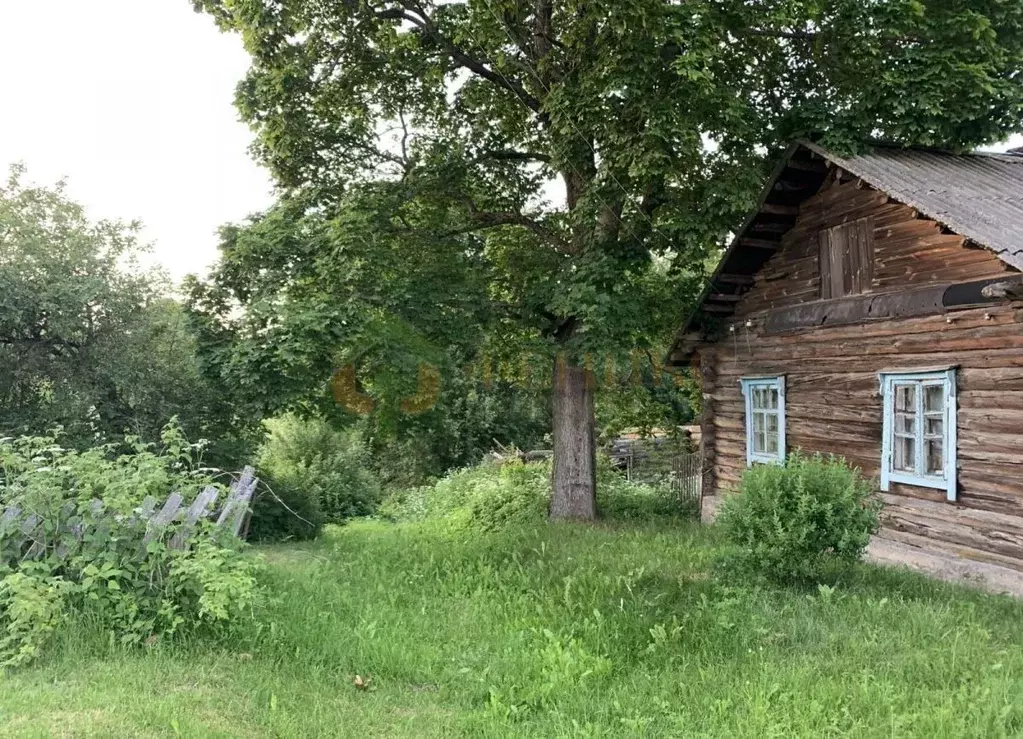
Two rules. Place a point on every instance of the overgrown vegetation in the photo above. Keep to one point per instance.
(314, 474)
(791, 522)
(92, 342)
(491, 496)
(88, 560)
(617, 629)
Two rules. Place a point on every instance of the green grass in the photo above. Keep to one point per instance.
(613, 630)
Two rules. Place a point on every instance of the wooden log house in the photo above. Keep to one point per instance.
(872, 307)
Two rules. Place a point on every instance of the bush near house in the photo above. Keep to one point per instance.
(791, 522)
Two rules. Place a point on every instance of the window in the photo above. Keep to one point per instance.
(919, 430)
(847, 259)
(765, 419)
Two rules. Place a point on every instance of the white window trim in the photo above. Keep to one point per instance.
(947, 481)
(773, 381)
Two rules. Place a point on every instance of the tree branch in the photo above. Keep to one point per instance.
(513, 155)
(771, 33)
(484, 220)
(422, 20)
(542, 22)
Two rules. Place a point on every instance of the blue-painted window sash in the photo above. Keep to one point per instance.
(946, 378)
(775, 382)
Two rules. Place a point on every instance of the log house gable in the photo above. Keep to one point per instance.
(828, 246)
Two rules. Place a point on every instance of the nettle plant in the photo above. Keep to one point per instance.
(78, 548)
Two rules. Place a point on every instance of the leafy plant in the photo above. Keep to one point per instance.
(790, 521)
(323, 475)
(91, 341)
(489, 496)
(89, 552)
(285, 508)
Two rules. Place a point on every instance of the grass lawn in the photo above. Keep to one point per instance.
(614, 630)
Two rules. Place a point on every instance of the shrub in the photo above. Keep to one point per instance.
(320, 473)
(789, 522)
(487, 497)
(490, 496)
(135, 589)
(285, 507)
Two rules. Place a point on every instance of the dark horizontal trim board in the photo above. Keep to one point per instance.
(845, 311)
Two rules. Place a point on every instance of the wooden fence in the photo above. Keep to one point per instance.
(662, 462)
(29, 533)
(687, 477)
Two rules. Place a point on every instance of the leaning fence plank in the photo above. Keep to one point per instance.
(147, 509)
(242, 502)
(28, 527)
(196, 511)
(162, 519)
(238, 499)
(10, 514)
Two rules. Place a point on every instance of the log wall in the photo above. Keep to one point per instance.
(833, 403)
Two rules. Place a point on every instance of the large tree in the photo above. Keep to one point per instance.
(89, 340)
(548, 152)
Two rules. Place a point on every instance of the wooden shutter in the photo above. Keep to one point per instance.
(864, 255)
(833, 245)
(846, 258)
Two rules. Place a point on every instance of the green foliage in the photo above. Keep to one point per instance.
(91, 342)
(486, 497)
(321, 474)
(791, 522)
(490, 497)
(285, 508)
(470, 415)
(139, 591)
(38, 472)
(619, 498)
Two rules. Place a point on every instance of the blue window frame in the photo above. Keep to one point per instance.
(765, 419)
(919, 446)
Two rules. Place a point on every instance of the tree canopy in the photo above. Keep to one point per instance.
(552, 174)
(89, 340)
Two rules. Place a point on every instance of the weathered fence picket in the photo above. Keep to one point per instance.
(687, 477)
(28, 532)
(196, 511)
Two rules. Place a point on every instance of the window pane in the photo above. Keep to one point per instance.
(772, 434)
(935, 458)
(905, 454)
(772, 398)
(934, 398)
(759, 445)
(934, 426)
(905, 398)
(905, 423)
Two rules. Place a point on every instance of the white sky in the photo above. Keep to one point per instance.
(132, 101)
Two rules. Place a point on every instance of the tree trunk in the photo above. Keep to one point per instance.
(575, 462)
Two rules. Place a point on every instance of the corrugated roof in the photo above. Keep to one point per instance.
(979, 196)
